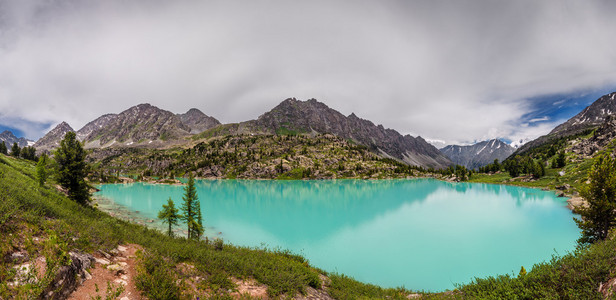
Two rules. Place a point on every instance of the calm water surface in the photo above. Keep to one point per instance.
(421, 234)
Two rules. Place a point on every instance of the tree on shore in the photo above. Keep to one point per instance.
(169, 214)
(600, 216)
(41, 169)
(191, 210)
(72, 168)
(15, 150)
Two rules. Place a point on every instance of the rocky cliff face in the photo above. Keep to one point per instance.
(197, 121)
(312, 116)
(52, 139)
(478, 155)
(141, 124)
(9, 138)
(602, 137)
(592, 116)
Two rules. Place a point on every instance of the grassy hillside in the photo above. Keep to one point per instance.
(42, 222)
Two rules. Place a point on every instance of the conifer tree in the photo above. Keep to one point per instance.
(41, 169)
(3, 148)
(72, 168)
(15, 150)
(600, 215)
(169, 214)
(191, 209)
(560, 159)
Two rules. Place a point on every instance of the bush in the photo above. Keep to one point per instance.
(155, 279)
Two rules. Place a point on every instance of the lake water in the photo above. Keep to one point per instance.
(422, 234)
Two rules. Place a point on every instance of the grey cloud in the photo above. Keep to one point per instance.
(457, 71)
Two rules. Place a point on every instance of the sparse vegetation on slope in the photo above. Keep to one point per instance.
(260, 156)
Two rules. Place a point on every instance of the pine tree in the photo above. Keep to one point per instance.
(191, 209)
(560, 159)
(72, 168)
(15, 150)
(41, 169)
(169, 214)
(600, 215)
(3, 148)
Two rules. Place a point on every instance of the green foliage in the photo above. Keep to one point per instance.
(560, 159)
(28, 153)
(573, 276)
(155, 279)
(600, 216)
(191, 210)
(72, 168)
(169, 214)
(522, 272)
(41, 170)
(344, 287)
(15, 150)
(3, 149)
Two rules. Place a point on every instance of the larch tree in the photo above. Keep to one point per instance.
(599, 217)
(15, 150)
(169, 214)
(72, 168)
(41, 169)
(191, 209)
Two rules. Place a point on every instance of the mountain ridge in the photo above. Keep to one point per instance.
(479, 154)
(9, 138)
(590, 117)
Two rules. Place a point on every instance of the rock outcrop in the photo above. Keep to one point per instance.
(68, 278)
(602, 137)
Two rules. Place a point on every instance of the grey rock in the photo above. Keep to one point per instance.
(68, 278)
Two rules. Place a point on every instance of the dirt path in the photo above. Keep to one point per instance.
(116, 269)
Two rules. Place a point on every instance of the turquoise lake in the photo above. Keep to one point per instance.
(422, 234)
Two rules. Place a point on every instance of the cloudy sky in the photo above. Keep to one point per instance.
(455, 71)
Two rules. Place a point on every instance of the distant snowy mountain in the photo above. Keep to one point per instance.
(9, 138)
(478, 155)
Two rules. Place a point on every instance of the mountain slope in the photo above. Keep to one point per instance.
(141, 124)
(591, 117)
(197, 121)
(312, 116)
(95, 125)
(9, 138)
(478, 155)
(52, 139)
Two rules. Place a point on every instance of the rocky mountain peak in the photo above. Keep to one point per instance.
(309, 116)
(197, 121)
(143, 123)
(52, 139)
(9, 139)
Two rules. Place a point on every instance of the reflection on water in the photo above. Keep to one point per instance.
(420, 233)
